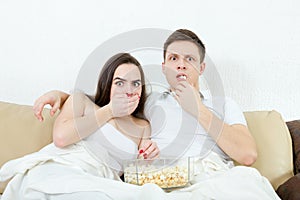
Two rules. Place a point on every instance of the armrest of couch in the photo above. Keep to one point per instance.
(290, 189)
(274, 145)
(21, 133)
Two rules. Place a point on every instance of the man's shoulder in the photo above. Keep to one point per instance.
(155, 96)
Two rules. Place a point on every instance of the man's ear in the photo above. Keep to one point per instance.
(202, 68)
(163, 67)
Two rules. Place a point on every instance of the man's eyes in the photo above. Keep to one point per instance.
(190, 59)
(172, 58)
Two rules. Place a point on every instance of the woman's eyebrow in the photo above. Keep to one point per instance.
(136, 80)
(118, 78)
(121, 79)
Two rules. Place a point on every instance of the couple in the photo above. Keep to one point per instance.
(172, 116)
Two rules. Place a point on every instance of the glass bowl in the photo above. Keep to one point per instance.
(167, 173)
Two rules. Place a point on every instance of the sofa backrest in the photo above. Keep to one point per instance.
(21, 133)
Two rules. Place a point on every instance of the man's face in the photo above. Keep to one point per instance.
(182, 63)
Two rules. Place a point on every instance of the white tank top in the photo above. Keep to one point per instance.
(112, 147)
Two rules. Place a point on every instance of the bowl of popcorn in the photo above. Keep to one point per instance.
(167, 173)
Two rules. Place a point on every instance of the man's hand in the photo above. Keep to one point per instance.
(123, 105)
(189, 98)
(53, 98)
(149, 149)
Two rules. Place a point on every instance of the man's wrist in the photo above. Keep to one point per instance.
(204, 116)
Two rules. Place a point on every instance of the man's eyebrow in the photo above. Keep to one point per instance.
(178, 54)
(190, 55)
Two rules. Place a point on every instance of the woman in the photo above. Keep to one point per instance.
(85, 146)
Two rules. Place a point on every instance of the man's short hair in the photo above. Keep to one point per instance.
(185, 35)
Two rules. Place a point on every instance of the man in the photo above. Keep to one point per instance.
(183, 63)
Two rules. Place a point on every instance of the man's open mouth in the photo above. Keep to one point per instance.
(181, 77)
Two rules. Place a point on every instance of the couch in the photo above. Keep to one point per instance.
(21, 133)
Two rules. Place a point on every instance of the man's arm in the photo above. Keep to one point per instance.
(54, 98)
(235, 140)
(79, 118)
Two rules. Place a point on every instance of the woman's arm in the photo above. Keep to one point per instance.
(79, 118)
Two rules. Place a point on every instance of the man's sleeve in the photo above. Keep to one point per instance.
(233, 113)
(150, 102)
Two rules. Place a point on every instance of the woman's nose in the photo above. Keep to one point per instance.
(130, 89)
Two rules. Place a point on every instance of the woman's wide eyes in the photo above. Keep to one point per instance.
(136, 83)
(119, 83)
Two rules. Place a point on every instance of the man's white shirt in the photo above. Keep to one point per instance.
(177, 133)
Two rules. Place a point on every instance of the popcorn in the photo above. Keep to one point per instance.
(165, 176)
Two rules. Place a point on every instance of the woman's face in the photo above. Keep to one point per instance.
(126, 80)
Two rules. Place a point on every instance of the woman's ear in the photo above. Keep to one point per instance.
(202, 68)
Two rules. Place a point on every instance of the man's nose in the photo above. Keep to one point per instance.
(181, 65)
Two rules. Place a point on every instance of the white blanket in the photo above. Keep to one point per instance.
(73, 173)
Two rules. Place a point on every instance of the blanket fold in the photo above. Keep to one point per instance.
(73, 173)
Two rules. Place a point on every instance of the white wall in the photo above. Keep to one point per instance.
(254, 44)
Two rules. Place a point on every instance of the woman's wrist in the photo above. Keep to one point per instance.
(108, 113)
(103, 115)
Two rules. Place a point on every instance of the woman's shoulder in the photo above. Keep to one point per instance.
(79, 102)
(81, 97)
(140, 122)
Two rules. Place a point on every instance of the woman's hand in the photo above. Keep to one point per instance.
(122, 105)
(149, 149)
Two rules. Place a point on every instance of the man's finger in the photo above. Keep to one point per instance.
(176, 96)
(54, 108)
(183, 84)
(39, 116)
(37, 109)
